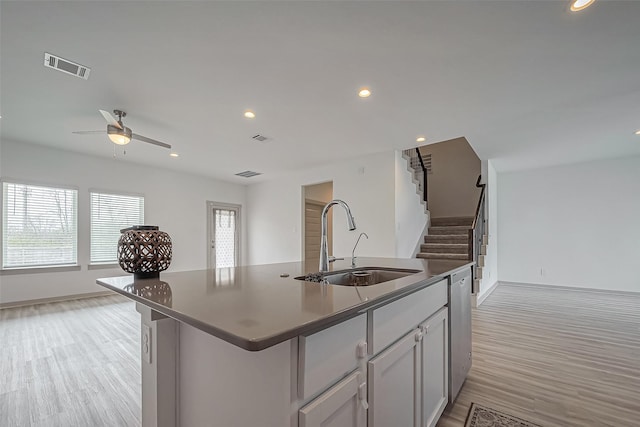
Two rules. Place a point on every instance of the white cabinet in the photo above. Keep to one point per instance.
(394, 384)
(343, 405)
(408, 382)
(434, 352)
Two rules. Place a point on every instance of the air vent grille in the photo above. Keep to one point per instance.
(248, 174)
(66, 66)
(259, 137)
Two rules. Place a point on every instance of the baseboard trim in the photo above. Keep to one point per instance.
(477, 300)
(571, 288)
(55, 299)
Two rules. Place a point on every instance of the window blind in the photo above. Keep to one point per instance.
(109, 214)
(39, 226)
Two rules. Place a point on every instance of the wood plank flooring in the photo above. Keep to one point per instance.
(552, 356)
(555, 357)
(73, 363)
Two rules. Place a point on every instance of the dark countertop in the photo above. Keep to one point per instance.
(254, 308)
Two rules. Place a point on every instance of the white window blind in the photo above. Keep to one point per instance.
(39, 226)
(109, 214)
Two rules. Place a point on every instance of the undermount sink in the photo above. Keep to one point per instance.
(358, 277)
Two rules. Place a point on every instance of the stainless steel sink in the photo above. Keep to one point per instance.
(358, 277)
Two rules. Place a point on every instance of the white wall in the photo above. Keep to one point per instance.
(366, 184)
(411, 219)
(175, 202)
(490, 269)
(579, 223)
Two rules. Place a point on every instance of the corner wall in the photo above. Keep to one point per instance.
(175, 202)
(573, 225)
(411, 220)
(452, 183)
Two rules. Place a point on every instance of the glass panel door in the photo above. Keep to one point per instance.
(224, 236)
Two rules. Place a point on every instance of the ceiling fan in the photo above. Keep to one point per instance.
(118, 133)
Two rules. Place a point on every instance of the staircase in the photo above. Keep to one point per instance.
(448, 238)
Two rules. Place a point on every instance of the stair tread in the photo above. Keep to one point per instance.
(446, 245)
(452, 221)
(430, 255)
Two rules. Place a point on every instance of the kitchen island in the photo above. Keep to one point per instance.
(254, 346)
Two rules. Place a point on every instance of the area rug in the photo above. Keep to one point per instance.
(481, 416)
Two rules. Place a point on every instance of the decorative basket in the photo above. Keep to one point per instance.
(144, 250)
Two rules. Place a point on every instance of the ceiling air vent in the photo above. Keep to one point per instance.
(259, 137)
(66, 66)
(248, 174)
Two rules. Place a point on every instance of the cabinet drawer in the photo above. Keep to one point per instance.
(328, 355)
(395, 319)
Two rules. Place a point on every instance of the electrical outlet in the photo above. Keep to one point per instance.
(146, 343)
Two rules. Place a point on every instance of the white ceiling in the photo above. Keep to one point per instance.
(526, 82)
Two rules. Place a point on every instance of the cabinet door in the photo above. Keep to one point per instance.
(434, 367)
(343, 405)
(394, 384)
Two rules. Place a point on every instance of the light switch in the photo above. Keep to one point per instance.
(146, 343)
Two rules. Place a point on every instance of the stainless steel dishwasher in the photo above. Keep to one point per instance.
(459, 331)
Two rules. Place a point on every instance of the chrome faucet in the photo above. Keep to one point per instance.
(324, 252)
(353, 252)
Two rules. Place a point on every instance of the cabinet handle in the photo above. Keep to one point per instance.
(362, 395)
(418, 336)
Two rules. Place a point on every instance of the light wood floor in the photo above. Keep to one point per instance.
(555, 357)
(74, 363)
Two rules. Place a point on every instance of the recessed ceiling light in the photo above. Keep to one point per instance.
(637, 132)
(421, 139)
(365, 92)
(578, 5)
(250, 114)
(174, 155)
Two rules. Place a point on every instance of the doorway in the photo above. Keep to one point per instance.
(223, 231)
(315, 197)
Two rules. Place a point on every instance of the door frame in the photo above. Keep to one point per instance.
(210, 231)
(303, 205)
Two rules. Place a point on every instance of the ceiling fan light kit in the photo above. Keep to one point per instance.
(119, 134)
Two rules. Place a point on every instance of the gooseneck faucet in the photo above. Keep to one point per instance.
(353, 252)
(324, 252)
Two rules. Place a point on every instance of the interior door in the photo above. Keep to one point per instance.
(224, 235)
(312, 229)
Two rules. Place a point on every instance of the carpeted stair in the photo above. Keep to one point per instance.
(448, 238)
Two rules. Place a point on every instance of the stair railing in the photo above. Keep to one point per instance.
(420, 170)
(424, 177)
(476, 232)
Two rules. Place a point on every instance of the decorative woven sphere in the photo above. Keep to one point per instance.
(144, 250)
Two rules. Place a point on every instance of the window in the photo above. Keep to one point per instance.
(39, 226)
(224, 234)
(109, 214)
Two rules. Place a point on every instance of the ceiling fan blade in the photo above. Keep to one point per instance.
(150, 141)
(88, 132)
(109, 118)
